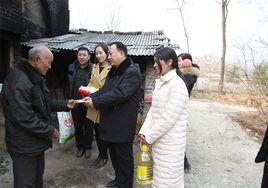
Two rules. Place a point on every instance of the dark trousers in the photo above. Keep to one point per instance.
(28, 171)
(83, 128)
(121, 155)
(264, 183)
(102, 145)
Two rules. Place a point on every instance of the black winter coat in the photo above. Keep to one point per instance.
(190, 75)
(118, 101)
(71, 76)
(263, 152)
(27, 107)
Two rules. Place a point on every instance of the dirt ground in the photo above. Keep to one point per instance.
(255, 121)
(221, 154)
(220, 151)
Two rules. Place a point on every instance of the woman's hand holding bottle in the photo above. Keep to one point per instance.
(143, 140)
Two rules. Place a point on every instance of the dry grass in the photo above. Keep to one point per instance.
(243, 99)
(255, 122)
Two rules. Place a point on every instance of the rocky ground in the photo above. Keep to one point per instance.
(221, 154)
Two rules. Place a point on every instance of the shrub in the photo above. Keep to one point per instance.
(260, 76)
(233, 75)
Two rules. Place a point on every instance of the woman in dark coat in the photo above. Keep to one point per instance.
(190, 72)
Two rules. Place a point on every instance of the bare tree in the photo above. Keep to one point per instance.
(261, 82)
(258, 79)
(224, 10)
(260, 86)
(243, 48)
(181, 4)
(113, 16)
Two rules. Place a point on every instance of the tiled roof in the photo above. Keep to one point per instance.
(138, 43)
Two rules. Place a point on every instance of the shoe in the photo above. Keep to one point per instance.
(87, 153)
(111, 184)
(80, 153)
(101, 163)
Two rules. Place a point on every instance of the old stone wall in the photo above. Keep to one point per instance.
(45, 18)
(10, 16)
(149, 86)
(35, 19)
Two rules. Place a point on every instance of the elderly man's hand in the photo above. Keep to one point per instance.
(72, 103)
(88, 103)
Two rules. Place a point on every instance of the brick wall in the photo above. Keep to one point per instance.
(45, 18)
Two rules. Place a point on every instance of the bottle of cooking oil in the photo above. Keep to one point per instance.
(144, 161)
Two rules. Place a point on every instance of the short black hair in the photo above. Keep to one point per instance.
(83, 49)
(120, 46)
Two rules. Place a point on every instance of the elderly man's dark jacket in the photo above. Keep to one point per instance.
(27, 108)
(118, 101)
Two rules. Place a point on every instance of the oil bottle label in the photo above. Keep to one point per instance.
(144, 173)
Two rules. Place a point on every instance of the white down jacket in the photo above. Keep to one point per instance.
(165, 129)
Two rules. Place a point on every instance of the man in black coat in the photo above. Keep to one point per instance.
(118, 101)
(262, 156)
(28, 126)
(79, 73)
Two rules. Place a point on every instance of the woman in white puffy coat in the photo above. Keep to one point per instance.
(165, 125)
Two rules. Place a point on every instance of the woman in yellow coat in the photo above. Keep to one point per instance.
(99, 73)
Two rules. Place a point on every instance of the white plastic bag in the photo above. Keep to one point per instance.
(66, 126)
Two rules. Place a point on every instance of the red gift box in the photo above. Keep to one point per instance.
(84, 91)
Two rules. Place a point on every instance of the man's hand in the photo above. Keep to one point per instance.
(88, 103)
(56, 134)
(71, 103)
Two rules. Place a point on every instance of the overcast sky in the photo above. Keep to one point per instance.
(203, 19)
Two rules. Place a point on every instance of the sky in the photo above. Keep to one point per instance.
(202, 17)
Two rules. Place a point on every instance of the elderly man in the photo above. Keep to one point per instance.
(118, 101)
(28, 125)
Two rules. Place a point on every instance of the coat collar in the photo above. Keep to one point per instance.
(97, 66)
(190, 70)
(122, 67)
(30, 71)
(98, 77)
(171, 74)
(76, 64)
(163, 79)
